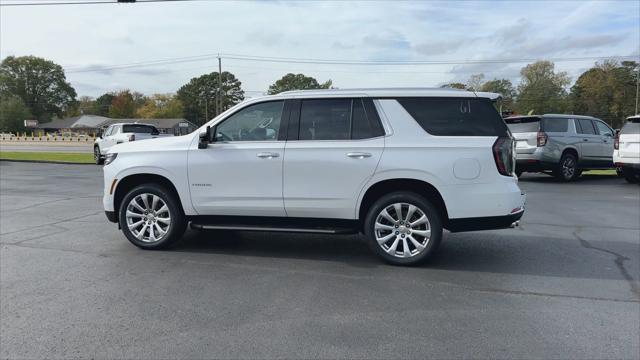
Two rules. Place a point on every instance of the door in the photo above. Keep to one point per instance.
(332, 150)
(240, 173)
(606, 135)
(589, 142)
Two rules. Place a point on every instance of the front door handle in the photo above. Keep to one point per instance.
(358, 155)
(585, 139)
(267, 155)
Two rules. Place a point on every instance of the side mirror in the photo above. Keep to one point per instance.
(205, 138)
(99, 134)
(155, 133)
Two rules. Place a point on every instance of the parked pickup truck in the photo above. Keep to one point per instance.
(121, 133)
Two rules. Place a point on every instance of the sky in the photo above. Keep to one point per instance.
(89, 40)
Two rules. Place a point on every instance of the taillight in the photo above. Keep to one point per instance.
(616, 142)
(542, 138)
(132, 137)
(504, 156)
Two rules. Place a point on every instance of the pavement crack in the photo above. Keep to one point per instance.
(52, 223)
(618, 261)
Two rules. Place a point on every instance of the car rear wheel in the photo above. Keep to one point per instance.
(96, 156)
(151, 217)
(567, 169)
(403, 228)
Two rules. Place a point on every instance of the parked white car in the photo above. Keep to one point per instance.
(626, 153)
(399, 165)
(121, 133)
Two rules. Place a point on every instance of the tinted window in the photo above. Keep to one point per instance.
(141, 129)
(556, 125)
(108, 131)
(326, 119)
(360, 125)
(631, 128)
(455, 117)
(603, 128)
(585, 127)
(523, 125)
(257, 122)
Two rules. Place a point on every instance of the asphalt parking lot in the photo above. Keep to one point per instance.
(563, 285)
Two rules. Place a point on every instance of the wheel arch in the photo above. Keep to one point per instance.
(129, 182)
(571, 150)
(421, 187)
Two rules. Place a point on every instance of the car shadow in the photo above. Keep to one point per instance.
(585, 178)
(506, 251)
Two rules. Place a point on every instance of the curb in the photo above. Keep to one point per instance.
(48, 162)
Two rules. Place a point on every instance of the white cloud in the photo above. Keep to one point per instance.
(84, 36)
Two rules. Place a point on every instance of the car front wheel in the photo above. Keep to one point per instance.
(151, 217)
(403, 228)
(96, 156)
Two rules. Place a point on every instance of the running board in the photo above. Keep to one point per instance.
(275, 224)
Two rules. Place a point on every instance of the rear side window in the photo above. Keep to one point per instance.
(337, 119)
(140, 129)
(631, 128)
(523, 125)
(555, 125)
(455, 116)
(585, 127)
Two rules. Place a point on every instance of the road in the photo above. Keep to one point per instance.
(46, 147)
(563, 285)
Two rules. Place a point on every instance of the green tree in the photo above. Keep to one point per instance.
(123, 106)
(542, 90)
(161, 106)
(503, 87)
(297, 82)
(199, 96)
(40, 83)
(454, 85)
(13, 112)
(102, 104)
(606, 91)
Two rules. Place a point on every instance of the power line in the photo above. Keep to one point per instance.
(84, 2)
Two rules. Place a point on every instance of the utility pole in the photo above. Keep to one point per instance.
(219, 84)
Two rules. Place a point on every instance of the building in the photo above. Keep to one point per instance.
(89, 125)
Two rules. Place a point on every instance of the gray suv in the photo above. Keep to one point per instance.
(563, 145)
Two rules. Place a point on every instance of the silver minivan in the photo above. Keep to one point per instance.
(562, 145)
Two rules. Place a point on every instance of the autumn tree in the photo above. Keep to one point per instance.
(122, 106)
(161, 106)
(297, 82)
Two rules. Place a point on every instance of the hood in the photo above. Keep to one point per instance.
(157, 144)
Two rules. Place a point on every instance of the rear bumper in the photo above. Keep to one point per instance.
(484, 223)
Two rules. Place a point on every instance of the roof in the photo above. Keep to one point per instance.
(388, 92)
(95, 121)
(552, 116)
(634, 117)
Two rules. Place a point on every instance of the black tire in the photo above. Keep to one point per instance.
(631, 176)
(96, 156)
(409, 198)
(176, 227)
(567, 169)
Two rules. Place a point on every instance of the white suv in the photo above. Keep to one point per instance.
(399, 165)
(626, 153)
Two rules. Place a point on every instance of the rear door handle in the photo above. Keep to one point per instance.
(267, 155)
(358, 155)
(585, 139)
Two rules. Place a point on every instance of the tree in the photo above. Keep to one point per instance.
(503, 87)
(13, 113)
(454, 85)
(475, 82)
(542, 90)
(297, 82)
(39, 83)
(123, 106)
(606, 91)
(161, 106)
(198, 96)
(102, 104)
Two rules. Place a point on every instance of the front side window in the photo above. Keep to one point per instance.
(603, 129)
(586, 127)
(455, 116)
(259, 122)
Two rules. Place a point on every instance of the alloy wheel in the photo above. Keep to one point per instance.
(148, 217)
(568, 167)
(402, 230)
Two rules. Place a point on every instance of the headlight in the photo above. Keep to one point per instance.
(108, 159)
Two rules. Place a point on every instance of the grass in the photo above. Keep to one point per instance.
(48, 156)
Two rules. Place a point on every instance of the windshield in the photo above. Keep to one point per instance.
(632, 127)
